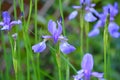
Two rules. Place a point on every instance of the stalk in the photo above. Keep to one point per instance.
(81, 32)
(87, 39)
(105, 39)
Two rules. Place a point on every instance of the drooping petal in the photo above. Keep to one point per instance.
(113, 29)
(6, 27)
(77, 7)
(94, 32)
(6, 17)
(78, 77)
(47, 37)
(87, 62)
(51, 27)
(99, 24)
(93, 5)
(40, 47)
(1, 24)
(66, 48)
(89, 17)
(73, 15)
(15, 22)
(98, 75)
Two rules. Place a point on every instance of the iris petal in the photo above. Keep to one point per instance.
(66, 48)
(87, 62)
(51, 27)
(94, 32)
(113, 29)
(15, 22)
(89, 17)
(6, 27)
(98, 75)
(73, 15)
(40, 47)
(6, 17)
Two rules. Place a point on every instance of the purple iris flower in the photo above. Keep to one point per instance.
(113, 28)
(86, 72)
(7, 23)
(56, 36)
(88, 7)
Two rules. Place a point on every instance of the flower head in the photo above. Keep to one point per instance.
(113, 28)
(88, 7)
(7, 23)
(56, 36)
(86, 71)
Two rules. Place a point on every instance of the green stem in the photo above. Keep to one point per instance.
(105, 37)
(61, 12)
(67, 71)
(5, 57)
(87, 39)
(81, 32)
(59, 64)
(14, 55)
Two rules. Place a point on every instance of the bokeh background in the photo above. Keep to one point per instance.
(46, 10)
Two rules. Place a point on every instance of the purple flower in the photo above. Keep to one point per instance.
(113, 28)
(88, 7)
(86, 71)
(56, 36)
(40, 47)
(7, 23)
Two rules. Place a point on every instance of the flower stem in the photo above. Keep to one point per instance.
(87, 39)
(61, 12)
(59, 64)
(105, 37)
(14, 56)
(81, 32)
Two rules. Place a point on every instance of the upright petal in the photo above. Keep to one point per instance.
(87, 62)
(57, 33)
(73, 15)
(40, 47)
(94, 32)
(98, 75)
(6, 17)
(89, 17)
(113, 29)
(51, 27)
(66, 48)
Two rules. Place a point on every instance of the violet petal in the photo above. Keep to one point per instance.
(73, 15)
(87, 62)
(40, 47)
(98, 75)
(89, 17)
(51, 27)
(113, 29)
(66, 48)
(6, 17)
(94, 32)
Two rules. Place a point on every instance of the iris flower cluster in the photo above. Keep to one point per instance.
(86, 72)
(7, 24)
(109, 12)
(89, 9)
(56, 36)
